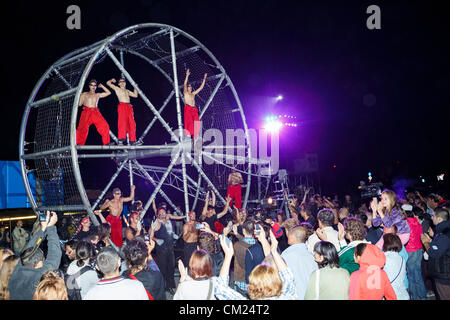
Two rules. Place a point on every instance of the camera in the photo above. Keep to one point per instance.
(42, 215)
(371, 190)
(199, 226)
(146, 237)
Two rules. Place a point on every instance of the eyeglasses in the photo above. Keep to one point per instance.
(117, 193)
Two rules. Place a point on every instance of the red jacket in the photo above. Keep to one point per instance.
(371, 282)
(414, 242)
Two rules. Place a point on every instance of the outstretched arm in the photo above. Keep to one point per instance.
(131, 197)
(171, 216)
(154, 206)
(202, 85)
(225, 209)
(205, 207)
(105, 92)
(110, 84)
(186, 81)
(133, 94)
(105, 205)
(213, 198)
(305, 195)
(99, 214)
(81, 101)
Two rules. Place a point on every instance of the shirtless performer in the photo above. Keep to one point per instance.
(91, 114)
(190, 237)
(234, 188)
(125, 123)
(115, 207)
(191, 119)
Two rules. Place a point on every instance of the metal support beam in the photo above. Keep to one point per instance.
(177, 55)
(150, 125)
(205, 107)
(180, 123)
(54, 97)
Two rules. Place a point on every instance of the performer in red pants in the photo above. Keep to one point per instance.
(91, 114)
(191, 120)
(125, 123)
(115, 210)
(235, 189)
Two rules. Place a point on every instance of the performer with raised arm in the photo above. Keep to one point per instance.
(191, 120)
(125, 122)
(234, 188)
(115, 207)
(91, 114)
(165, 239)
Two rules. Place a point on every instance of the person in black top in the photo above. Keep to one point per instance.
(138, 258)
(209, 212)
(85, 229)
(306, 213)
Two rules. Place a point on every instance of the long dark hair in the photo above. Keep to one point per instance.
(84, 250)
(329, 253)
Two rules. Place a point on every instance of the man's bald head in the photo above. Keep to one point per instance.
(296, 235)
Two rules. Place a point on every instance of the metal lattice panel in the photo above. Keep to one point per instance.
(48, 143)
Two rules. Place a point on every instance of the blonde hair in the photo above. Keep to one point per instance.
(5, 274)
(393, 197)
(289, 223)
(51, 287)
(4, 253)
(264, 282)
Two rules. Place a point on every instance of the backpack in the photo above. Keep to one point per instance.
(73, 291)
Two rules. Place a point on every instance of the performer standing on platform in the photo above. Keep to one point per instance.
(125, 123)
(115, 207)
(191, 119)
(91, 114)
(234, 188)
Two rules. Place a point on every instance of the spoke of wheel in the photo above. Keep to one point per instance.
(141, 139)
(205, 107)
(161, 192)
(111, 181)
(142, 95)
(158, 187)
(204, 176)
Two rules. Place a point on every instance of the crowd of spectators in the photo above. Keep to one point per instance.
(316, 248)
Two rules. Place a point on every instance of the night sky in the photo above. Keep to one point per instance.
(367, 100)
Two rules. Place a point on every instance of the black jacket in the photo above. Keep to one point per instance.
(153, 282)
(24, 280)
(439, 252)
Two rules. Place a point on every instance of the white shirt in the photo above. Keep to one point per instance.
(332, 236)
(117, 289)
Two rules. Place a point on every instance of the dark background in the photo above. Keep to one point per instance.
(367, 100)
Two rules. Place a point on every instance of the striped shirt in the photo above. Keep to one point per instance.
(118, 288)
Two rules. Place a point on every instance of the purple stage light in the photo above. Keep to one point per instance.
(273, 125)
(279, 97)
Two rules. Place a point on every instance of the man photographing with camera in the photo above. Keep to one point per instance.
(33, 264)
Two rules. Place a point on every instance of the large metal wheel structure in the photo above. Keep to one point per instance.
(48, 146)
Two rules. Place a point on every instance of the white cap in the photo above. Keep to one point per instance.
(407, 207)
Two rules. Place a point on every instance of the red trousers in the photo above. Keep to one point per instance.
(234, 192)
(126, 123)
(92, 116)
(116, 229)
(191, 121)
